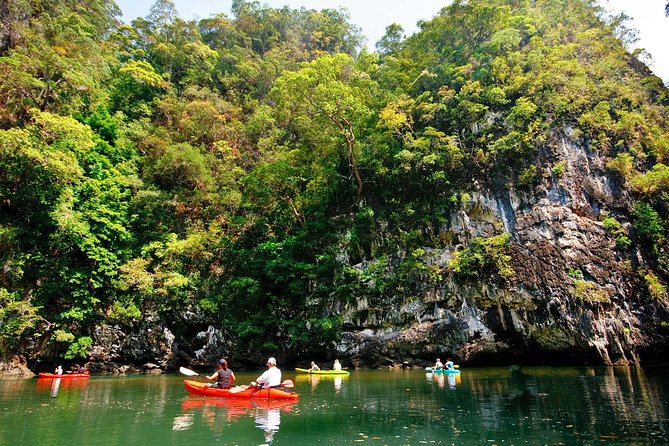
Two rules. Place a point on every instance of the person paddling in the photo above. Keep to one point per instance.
(270, 378)
(313, 367)
(449, 364)
(438, 365)
(223, 375)
(336, 365)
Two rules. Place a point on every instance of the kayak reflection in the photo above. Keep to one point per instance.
(442, 379)
(268, 420)
(315, 380)
(54, 385)
(216, 412)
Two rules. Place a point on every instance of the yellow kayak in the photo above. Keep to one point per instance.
(323, 372)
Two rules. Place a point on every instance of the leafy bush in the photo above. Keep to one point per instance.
(589, 292)
(16, 316)
(614, 228)
(656, 289)
(648, 224)
(79, 348)
(484, 256)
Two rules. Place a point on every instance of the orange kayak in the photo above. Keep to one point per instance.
(201, 389)
(64, 375)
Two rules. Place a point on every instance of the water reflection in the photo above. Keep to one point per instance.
(218, 413)
(53, 385)
(337, 383)
(530, 405)
(268, 419)
(442, 379)
(315, 380)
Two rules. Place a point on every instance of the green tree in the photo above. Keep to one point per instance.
(327, 98)
(58, 65)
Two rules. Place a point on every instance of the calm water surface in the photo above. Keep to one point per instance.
(492, 406)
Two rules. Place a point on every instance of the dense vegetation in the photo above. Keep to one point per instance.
(240, 167)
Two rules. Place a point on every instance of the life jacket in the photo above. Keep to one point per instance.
(224, 378)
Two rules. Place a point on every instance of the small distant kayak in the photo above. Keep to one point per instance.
(64, 375)
(323, 372)
(201, 389)
(446, 371)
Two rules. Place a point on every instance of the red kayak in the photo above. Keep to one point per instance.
(64, 375)
(201, 389)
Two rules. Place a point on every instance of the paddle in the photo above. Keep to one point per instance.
(189, 372)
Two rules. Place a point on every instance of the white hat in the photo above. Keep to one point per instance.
(272, 361)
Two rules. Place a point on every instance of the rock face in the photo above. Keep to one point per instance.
(16, 366)
(574, 296)
(150, 349)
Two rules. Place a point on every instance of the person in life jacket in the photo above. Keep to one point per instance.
(223, 375)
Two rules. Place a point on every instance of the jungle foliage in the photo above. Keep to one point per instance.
(264, 168)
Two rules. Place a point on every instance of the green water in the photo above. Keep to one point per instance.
(492, 406)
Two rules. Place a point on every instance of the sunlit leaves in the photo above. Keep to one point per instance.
(59, 63)
(326, 99)
(483, 256)
(653, 181)
(142, 73)
(16, 317)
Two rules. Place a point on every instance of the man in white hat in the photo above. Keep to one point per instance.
(271, 377)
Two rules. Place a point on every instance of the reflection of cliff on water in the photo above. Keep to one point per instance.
(611, 402)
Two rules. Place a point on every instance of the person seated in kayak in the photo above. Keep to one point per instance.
(313, 367)
(59, 370)
(449, 364)
(438, 365)
(270, 378)
(336, 365)
(223, 375)
(76, 369)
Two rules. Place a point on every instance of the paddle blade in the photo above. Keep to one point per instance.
(288, 384)
(187, 372)
(456, 366)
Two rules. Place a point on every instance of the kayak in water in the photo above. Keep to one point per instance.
(202, 389)
(64, 375)
(323, 372)
(447, 371)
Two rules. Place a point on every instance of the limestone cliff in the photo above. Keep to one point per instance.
(574, 295)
